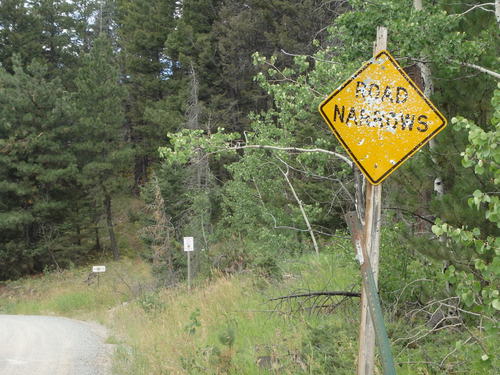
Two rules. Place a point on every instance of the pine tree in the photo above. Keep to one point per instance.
(37, 169)
(143, 27)
(52, 31)
(99, 146)
(19, 34)
(279, 28)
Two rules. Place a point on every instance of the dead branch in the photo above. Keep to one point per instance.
(292, 149)
(301, 206)
(481, 69)
(319, 177)
(320, 302)
(409, 212)
(478, 6)
(420, 335)
(450, 353)
(312, 294)
(476, 339)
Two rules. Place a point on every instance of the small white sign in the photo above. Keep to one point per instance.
(188, 244)
(99, 269)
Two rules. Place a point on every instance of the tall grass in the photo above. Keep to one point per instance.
(72, 293)
(228, 325)
(225, 325)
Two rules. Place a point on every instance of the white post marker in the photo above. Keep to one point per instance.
(98, 270)
(188, 244)
(188, 248)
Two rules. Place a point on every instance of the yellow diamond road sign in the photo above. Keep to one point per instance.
(381, 117)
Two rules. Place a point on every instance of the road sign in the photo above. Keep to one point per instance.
(381, 117)
(188, 244)
(99, 269)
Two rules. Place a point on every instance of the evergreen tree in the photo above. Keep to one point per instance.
(99, 146)
(279, 28)
(19, 33)
(143, 27)
(37, 169)
(43, 29)
(213, 44)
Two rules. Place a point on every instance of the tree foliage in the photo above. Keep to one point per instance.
(218, 100)
(38, 170)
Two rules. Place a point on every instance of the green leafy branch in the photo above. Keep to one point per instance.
(480, 289)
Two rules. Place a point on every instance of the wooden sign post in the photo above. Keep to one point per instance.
(381, 118)
(98, 270)
(189, 248)
(371, 239)
(373, 324)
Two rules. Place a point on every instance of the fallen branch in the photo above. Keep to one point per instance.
(312, 302)
(313, 294)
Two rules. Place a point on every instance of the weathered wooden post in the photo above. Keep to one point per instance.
(188, 248)
(98, 270)
(371, 239)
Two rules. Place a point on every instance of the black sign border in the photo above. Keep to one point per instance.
(413, 84)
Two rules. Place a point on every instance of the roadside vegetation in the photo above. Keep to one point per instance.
(126, 125)
(228, 324)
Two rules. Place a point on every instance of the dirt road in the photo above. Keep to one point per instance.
(44, 345)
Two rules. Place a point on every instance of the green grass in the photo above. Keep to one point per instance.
(69, 294)
(20, 307)
(70, 302)
(227, 325)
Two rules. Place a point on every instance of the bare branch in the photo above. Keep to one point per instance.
(406, 286)
(292, 149)
(453, 351)
(299, 202)
(477, 6)
(409, 212)
(276, 226)
(314, 175)
(425, 332)
(314, 294)
(312, 57)
(469, 65)
(476, 339)
(481, 69)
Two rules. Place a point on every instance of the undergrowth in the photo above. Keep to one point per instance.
(227, 324)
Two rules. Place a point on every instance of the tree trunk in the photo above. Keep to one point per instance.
(95, 221)
(359, 197)
(199, 178)
(428, 90)
(497, 11)
(109, 222)
(78, 235)
(97, 245)
(140, 174)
